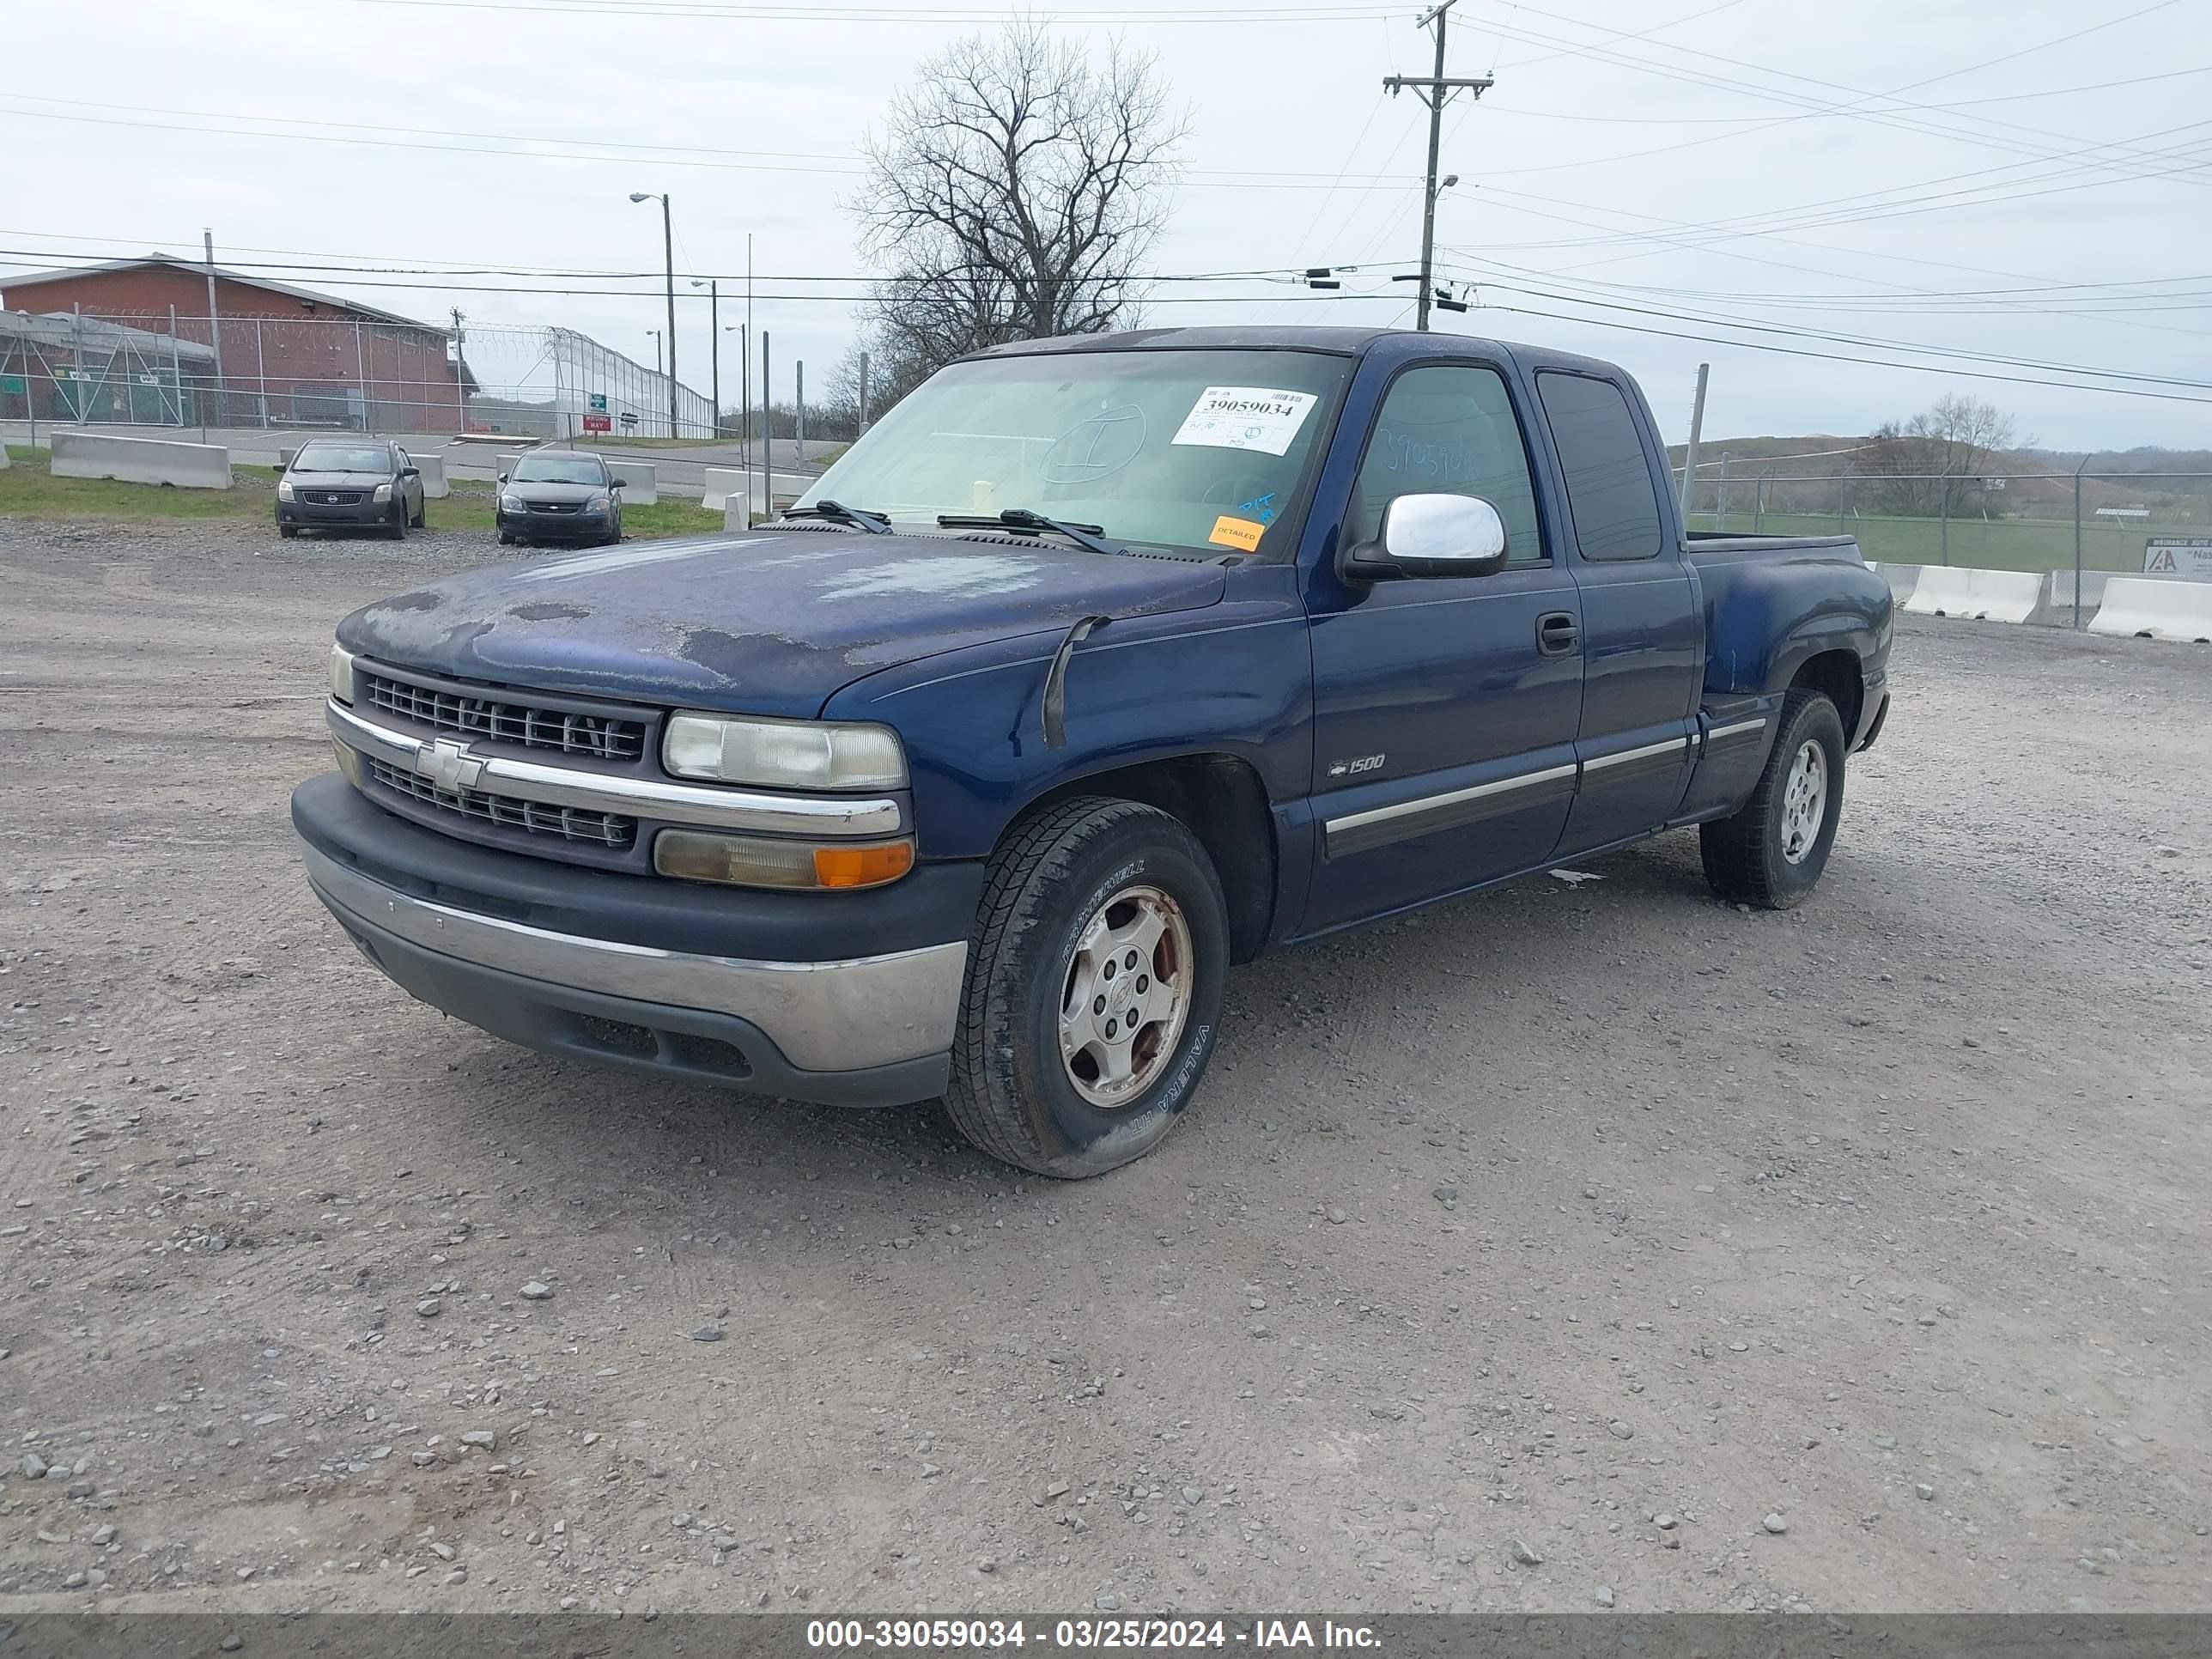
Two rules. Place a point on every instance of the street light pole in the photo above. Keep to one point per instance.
(714, 287)
(668, 249)
(656, 349)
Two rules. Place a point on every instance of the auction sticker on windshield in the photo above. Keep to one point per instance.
(1245, 417)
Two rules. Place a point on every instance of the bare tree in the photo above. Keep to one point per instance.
(1016, 193)
(1927, 463)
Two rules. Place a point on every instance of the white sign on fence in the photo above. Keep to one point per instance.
(2179, 556)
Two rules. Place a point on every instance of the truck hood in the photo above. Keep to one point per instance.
(769, 624)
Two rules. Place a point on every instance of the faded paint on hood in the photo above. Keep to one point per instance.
(767, 623)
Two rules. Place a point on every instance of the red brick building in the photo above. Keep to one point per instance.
(288, 356)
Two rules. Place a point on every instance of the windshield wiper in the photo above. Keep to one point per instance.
(1020, 518)
(837, 513)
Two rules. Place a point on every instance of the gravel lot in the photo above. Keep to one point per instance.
(1564, 1245)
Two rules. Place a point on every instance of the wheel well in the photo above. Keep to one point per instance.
(1219, 800)
(1837, 674)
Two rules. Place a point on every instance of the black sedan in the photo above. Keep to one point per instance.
(349, 484)
(559, 496)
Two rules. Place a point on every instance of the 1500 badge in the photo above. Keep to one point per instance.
(1352, 768)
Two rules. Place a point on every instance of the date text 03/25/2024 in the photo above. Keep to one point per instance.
(895, 1634)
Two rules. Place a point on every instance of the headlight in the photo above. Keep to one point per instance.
(784, 754)
(511, 504)
(757, 861)
(284, 489)
(597, 503)
(342, 673)
(383, 493)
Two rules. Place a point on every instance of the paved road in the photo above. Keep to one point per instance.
(1495, 1234)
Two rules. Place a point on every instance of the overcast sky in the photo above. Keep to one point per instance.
(2048, 161)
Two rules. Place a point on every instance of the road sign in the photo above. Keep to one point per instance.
(11, 385)
(597, 402)
(628, 420)
(2179, 556)
(595, 423)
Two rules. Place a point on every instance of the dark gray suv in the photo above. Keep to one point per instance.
(349, 484)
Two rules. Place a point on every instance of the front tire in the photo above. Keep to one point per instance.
(1093, 910)
(396, 530)
(1772, 852)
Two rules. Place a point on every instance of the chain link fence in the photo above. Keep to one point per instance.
(2097, 518)
(343, 373)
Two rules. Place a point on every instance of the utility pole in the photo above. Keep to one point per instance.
(460, 372)
(1436, 91)
(214, 327)
(744, 339)
(1690, 454)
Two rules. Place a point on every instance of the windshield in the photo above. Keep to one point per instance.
(1196, 449)
(342, 458)
(560, 469)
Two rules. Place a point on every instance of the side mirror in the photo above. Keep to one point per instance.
(1433, 536)
(411, 471)
(619, 484)
(502, 478)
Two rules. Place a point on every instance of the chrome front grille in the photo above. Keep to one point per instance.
(600, 737)
(570, 823)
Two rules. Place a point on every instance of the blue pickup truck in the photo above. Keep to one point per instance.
(1097, 667)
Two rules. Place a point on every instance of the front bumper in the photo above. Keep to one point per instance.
(552, 527)
(623, 969)
(316, 515)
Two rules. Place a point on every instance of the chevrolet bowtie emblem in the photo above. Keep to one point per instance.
(448, 764)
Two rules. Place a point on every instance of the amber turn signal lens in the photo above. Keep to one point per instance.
(862, 866)
(759, 861)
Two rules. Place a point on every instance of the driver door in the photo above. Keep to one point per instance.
(1445, 710)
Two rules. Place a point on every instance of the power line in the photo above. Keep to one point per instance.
(431, 140)
(1839, 357)
(1856, 339)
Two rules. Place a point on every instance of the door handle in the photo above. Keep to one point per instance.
(1557, 633)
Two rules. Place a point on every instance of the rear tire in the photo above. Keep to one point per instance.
(1772, 852)
(1072, 894)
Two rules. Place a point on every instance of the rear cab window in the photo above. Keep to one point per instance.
(1611, 495)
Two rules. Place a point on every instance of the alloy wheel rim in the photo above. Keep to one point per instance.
(1125, 998)
(1804, 802)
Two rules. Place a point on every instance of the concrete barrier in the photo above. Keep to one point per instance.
(640, 486)
(4, 462)
(433, 468)
(140, 460)
(1901, 579)
(1952, 589)
(722, 483)
(2142, 607)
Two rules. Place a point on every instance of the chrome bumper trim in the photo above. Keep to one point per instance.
(710, 807)
(823, 1016)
